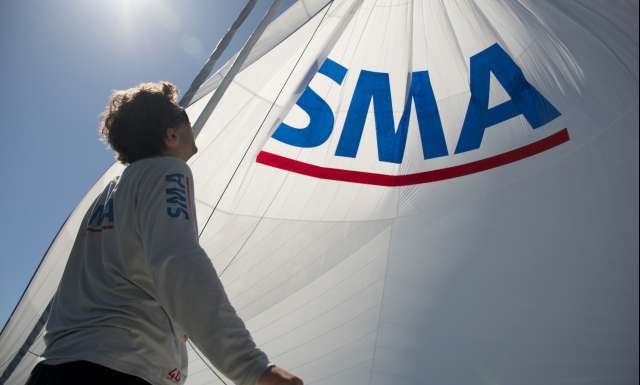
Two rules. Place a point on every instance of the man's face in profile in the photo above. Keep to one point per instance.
(187, 142)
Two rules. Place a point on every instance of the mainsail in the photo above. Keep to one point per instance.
(416, 192)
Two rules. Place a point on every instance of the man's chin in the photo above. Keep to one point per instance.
(193, 152)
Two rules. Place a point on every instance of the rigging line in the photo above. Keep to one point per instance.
(352, 8)
(356, 3)
(256, 134)
(206, 362)
(260, 127)
(212, 103)
(217, 52)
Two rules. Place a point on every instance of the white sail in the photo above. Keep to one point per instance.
(419, 192)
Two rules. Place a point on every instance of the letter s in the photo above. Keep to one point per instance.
(320, 115)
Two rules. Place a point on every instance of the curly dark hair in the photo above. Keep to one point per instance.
(135, 121)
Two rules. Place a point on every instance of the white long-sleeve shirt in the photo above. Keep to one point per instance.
(137, 281)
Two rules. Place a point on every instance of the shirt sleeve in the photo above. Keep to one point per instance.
(187, 284)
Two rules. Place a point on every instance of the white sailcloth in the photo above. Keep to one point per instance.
(419, 192)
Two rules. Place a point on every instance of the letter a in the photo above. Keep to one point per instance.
(525, 99)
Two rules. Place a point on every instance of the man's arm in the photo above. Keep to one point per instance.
(186, 282)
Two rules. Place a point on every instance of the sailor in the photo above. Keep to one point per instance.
(137, 283)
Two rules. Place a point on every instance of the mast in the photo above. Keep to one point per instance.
(217, 52)
(237, 65)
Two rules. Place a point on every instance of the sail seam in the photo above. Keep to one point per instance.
(303, 343)
(313, 299)
(329, 310)
(341, 221)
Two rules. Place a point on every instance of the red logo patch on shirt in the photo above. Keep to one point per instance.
(174, 374)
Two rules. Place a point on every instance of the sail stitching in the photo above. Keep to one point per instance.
(328, 331)
(327, 311)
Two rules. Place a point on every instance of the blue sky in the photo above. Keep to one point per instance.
(60, 61)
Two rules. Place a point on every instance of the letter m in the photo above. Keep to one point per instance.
(391, 141)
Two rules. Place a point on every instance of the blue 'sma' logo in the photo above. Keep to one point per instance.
(177, 195)
(101, 217)
(373, 90)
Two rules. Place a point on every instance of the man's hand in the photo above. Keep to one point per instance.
(278, 376)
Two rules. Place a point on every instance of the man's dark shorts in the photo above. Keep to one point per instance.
(80, 373)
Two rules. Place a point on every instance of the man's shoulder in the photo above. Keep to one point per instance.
(151, 173)
(159, 165)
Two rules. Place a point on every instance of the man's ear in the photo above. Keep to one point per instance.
(171, 138)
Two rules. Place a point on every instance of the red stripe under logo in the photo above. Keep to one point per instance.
(526, 151)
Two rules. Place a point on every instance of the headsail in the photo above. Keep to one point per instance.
(421, 192)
